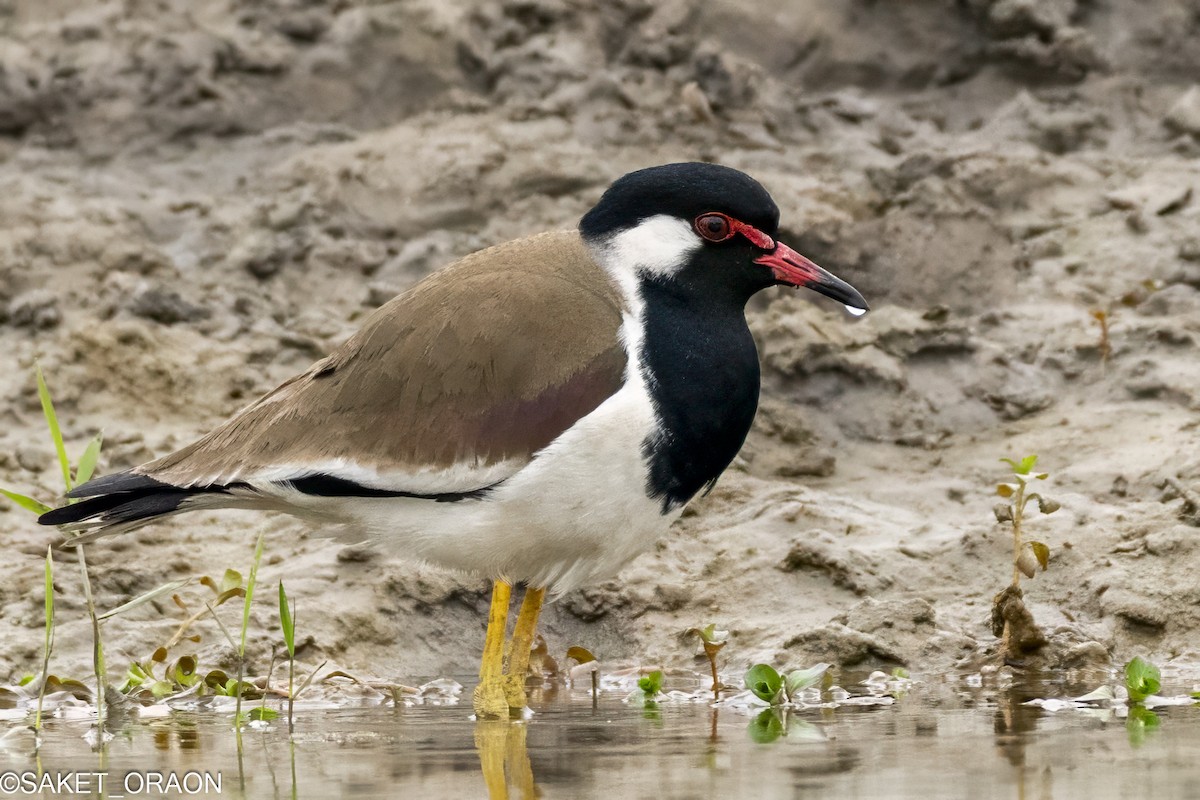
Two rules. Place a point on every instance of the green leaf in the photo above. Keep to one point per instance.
(1042, 553)
(285, 622)
(651, 684)
(258, 551)
(87, 461)
(1142, 679)
(26, 679)
(52, 424)
(27, 503)
(166, 588)
(764, 681)
(801, 679)
(263, 713)
(232, 579)
(766, 727)
(900, 673)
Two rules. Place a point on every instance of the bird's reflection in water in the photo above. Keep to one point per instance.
(504, 759)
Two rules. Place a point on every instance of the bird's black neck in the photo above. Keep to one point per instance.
(702, 373)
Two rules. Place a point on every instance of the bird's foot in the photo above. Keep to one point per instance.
(491, 699)
(514, 694)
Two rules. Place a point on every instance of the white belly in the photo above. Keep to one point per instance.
(576, 514)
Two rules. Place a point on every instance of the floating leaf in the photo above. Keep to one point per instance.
(27, 503)
(1042, 553)
(764, 681)
(800, 679)
(1142, 679)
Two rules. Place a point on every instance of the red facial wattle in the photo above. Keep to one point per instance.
(787, 266)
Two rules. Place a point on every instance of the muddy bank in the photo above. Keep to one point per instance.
(200, 199)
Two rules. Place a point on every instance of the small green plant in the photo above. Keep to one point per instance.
(82, 473)
(771, 687)
(1142, 679)
(651, 685)
(287, 623)
(1027, 556)
(713, 640)
(258, 551)
(1011, 620)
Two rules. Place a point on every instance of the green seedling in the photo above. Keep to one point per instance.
(713, 640)
(1011, 620)
(258, 551)
(651, 685)
(771, 687)
(1027, 556)
(87, 465)
(287, 623)
(1142, 679)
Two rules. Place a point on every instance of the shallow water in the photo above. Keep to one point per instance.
(943, 739)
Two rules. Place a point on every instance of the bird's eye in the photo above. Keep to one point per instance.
(714, 227)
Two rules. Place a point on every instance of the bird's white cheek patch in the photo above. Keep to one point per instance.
(660, 245)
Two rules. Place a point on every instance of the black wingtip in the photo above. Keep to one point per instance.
(127, 481)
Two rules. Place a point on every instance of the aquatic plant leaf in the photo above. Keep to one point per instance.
(651, 684)
(800, 679)
(184, 671)
(1142, 679)
(1042, 553)
(27, 503)
(764, 681)
(153, 594)
(87, 461)
(580, 654)
(766, 727)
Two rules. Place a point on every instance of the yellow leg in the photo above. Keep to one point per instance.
(490, 699)
(491, 741)
(522, 641)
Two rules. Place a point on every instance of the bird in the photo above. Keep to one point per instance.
(538, 412)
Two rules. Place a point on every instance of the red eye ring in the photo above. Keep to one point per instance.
(714, 226)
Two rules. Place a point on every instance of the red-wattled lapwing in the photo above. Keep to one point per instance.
(538, 412)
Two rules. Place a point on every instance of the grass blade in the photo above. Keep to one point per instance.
(49, 603)
(55, 431)
(27, 503)
(285, 622)
(87, 461)
(258, 551)
(166, 588)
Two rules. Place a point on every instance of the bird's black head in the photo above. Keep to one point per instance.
(702, 230)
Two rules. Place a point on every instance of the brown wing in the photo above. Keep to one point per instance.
(485, 361)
